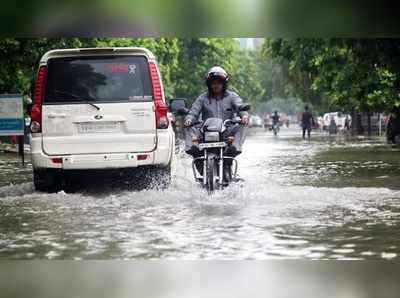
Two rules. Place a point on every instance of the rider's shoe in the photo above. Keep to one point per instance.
(199, 180)
(231, 151)
(194, 151)
(227, 173)
(237, 179)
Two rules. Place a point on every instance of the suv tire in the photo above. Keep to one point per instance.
(47, 181)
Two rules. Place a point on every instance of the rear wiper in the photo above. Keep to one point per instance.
(92, 104)
(78, 97)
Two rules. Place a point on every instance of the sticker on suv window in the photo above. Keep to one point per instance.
(132, 69)
(122, 68)
(118, 67)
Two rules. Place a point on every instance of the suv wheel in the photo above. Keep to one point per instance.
(47, 181)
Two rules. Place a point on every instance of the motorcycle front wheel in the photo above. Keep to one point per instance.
(211, 175)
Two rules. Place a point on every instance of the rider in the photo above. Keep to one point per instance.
(218, 102)
(307, 121)
(275, 118)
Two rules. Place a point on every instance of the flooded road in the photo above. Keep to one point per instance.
(332, 198)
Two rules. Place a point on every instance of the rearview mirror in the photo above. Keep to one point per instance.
(245, 108)
(177, 104)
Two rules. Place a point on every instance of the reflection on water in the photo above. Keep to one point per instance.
(328, 199)
(11, 170)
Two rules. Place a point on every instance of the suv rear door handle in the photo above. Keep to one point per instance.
(56, 115)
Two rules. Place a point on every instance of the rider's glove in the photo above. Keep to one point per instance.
(245, 120)
(188, 122)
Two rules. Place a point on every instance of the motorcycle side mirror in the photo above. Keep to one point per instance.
(177, 105)
(244, 108)
(237, 119)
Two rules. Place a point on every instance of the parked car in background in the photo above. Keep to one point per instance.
(320, 123)
(98, 109)
(339, 119)
(255, 121)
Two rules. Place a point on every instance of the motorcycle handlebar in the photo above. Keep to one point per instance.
(231, 121)
(228, 121)
(194, 123)
(197, 123)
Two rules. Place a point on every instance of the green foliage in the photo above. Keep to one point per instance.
(245, 77)
(196, 57)
(19, 58)
(347, 74)
(183, 62)
(344, 74)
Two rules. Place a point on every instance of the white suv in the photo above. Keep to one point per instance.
(99, 108)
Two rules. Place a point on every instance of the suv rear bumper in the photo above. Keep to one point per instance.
(161, 156)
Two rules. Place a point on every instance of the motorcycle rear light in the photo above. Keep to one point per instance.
(161, 108)
(142, 157)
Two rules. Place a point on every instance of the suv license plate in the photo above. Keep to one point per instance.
(211, 145)
(103, 127)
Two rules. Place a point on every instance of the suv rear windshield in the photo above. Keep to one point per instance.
(106, 78)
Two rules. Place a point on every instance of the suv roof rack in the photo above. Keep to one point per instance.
(105, 50)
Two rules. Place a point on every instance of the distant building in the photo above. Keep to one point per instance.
(251, 43)
(258, 42)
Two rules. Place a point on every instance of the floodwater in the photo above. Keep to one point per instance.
(331, 198)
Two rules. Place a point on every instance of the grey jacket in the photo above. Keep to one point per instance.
(211, 107)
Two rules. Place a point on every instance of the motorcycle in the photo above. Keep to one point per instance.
(275, 128)
(218, 170)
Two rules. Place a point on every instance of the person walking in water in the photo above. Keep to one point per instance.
(307, 121)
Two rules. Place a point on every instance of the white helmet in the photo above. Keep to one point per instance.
(217, 72)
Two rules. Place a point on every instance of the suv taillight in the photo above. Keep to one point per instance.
(36, 111)
(162, 121)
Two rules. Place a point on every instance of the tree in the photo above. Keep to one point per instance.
(347, 74)
(183, 62)
(19, 58)
(246, 78)
(197, 56)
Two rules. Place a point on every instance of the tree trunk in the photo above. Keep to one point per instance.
(356, 125)
(369, 123)
(360, 128)
(353, 122)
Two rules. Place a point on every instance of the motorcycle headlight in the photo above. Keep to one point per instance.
(211, 136)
